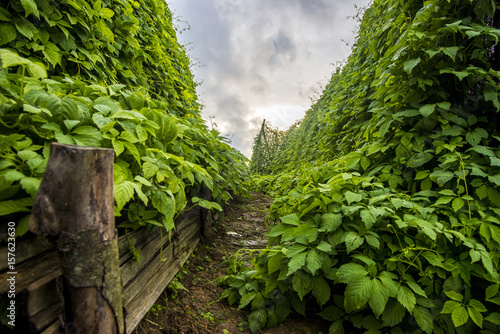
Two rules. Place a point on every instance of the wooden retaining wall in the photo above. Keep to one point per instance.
(42, 296)
(37, 267)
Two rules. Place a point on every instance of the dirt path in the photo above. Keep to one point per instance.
(192, 306)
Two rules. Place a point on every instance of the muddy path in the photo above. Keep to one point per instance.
(191, 303)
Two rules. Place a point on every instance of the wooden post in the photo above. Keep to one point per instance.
(74, 208)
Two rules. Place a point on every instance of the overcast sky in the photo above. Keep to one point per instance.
(262, 59)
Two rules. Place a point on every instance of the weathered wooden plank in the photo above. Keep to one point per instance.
(27, 249)
(37, 298)
(141, 304)
(54, 328)
(138, 239)
(130, 268)
(44, 318)
(156, 265)
(142, 236)
(38, 267)
(29, 272)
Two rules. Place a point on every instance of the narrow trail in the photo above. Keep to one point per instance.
(191, 303)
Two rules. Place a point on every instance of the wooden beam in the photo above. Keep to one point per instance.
(74, 207)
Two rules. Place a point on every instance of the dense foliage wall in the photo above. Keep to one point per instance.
(389, 202)
(106, 74)
(267, 145)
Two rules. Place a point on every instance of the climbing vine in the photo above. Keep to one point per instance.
(387, 208)
(107, 74)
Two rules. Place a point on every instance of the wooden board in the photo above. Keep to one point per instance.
(27, 248)
(38, 269)
(31, 271)
(137, 308)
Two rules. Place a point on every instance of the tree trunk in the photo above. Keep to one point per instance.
(74, 207)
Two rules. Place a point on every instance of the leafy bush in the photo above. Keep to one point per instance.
(106, 74)
(395, 226)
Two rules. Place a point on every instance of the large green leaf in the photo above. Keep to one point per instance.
(406, 298)
(350, 272)
(302, 283)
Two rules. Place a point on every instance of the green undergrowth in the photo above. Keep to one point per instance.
(387, 206)
(107, 74)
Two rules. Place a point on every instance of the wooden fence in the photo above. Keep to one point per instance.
(42, 299)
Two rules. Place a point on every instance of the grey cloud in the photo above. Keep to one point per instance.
(285, 50)
(263, 58)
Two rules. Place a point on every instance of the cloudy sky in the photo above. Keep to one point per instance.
(262, 59)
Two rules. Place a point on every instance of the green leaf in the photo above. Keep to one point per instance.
(160, 200)
(136, 101)
(52, 53)
(495, 179)
(424, 318)
(487, 263)
(30, 8)
(393, 313)
(427, 110)
(132, 149)
(367, 218)
(258, 301)
(291, 220)
(378, 298)
(350, 272)
(296, 262)
(418, 160)
(13, 206)
(123, 193)
(324, 247)
(407, 298)
(246, 299)
(365, 259)
(207, 204)
(13, 175)
(477, 305)
(298, 304)
(450, 306)
(282, 309)
(38, 71)
(8, 33)
(357, 293)
(441, 176)
(410, 65)
(353, 241)
(293, 250)
(451, 51)
(330, 222)
(459, 316)
(321, 290)
(372, 240)
(10, 58)
(337, 327)
(313, 261)
(106, 12)
(352, 197)
(274, 263)
(416, 288)
(494, 318)
(474, 255)
(302, 283)
(492, 291)
(457, 204)
(31, 185)
(22, 226)
(444, 105)
(454, 295)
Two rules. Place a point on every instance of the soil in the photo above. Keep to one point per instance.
(191, 302)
